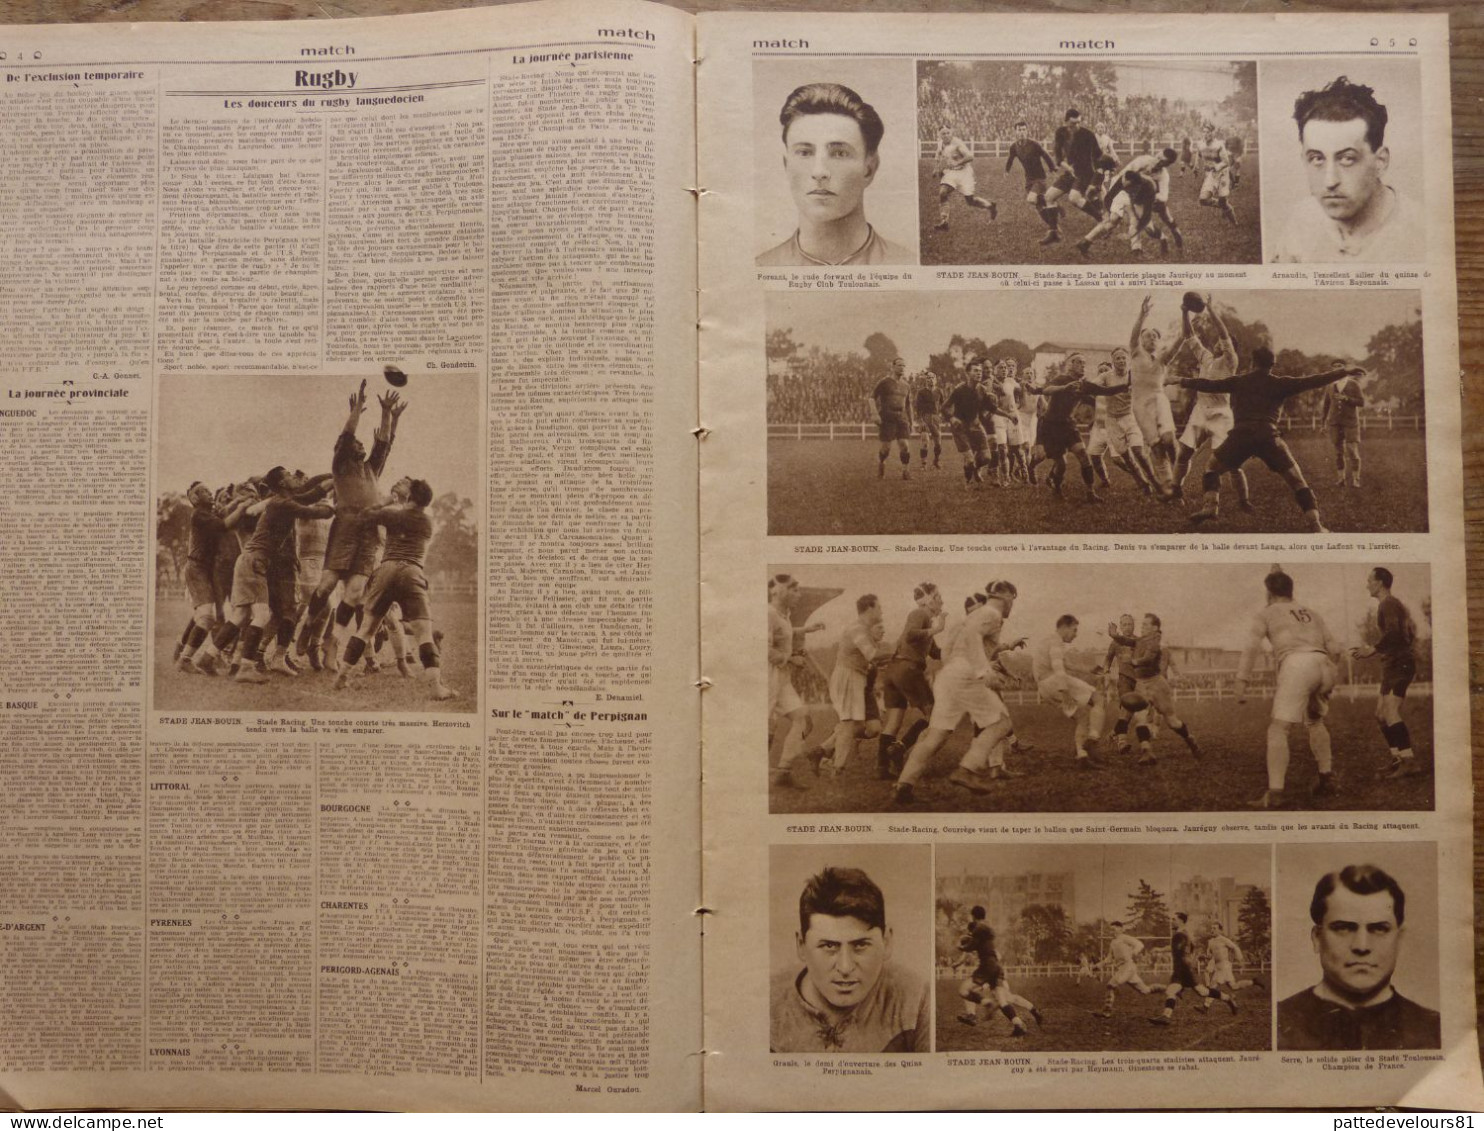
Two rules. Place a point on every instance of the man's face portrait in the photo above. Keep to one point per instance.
(1067, 632)
(1344, 172)
(843, 958)
(1358, 941)
(827, 165)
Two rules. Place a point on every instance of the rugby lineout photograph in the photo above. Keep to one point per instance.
(1110, 411)
(1068, 162)
(1082, 948)
(317, 543)
(1049, 688)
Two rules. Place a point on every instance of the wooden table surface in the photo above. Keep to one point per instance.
(1467, 25)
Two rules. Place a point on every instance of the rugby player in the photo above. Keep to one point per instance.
(967, 685)
(988, 978)
(893, 403)
(965, 405)
(1119, 432)
(1150, 401)
(1342, 404)
(783, 659)
(1140, 193)
(1037, 166)
(1397, 636)
(904, 679)
(1075, 151)
(1073, 697)
(1257, 397)
(400, 578)
(1057, 433)
(1210, 420)
(830, 141)
(858, 652)
(353, 544)
(1217, 185)
(1305, 655)
(1351, 214)
(1183, 976)
(1221, 953)
(1123, 952)
(926, 405)
(956, 162)
(1150, 663)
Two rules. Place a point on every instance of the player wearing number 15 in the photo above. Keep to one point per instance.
(1305, 653)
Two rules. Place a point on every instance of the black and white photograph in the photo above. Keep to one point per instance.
(1040, 687)
(836, 179)
(317, 542)
(1121, 411)
(1088, 947)
(850, 947)
(1070, 162)
(1342, 161)
(1356, 959)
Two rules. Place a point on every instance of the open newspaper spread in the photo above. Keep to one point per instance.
(404, 420)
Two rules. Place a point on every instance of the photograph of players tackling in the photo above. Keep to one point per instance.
(1107, 411)
(1045, 687)
(316, 546)
(1103, 948)
(1071, 162)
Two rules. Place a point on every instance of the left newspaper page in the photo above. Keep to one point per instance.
(348, 716)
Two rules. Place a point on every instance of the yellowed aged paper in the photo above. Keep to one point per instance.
(1176, 860)
(441, 267)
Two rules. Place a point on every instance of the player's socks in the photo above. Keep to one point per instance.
(1101, 470)
(1017, 1026)
(1277, 755)
(1184, 732)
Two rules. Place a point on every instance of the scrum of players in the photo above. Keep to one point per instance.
(1084, 171)
(272, 560)
(1005, 427)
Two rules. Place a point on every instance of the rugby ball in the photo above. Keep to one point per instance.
(1192, 302)
(394, 376)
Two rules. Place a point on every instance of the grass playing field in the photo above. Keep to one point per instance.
(311, 691)
(1015, 236)
(831, 487)
(1070, 1023)
(1230, 773)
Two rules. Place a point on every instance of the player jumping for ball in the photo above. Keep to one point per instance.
(956, 162)
(1210, 420)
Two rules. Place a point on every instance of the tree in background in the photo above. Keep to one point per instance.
(1255, 926)
(1148, 914)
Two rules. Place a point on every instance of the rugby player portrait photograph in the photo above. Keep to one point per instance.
(834, 165)
(1372, 919)
(1341, 162)
(850, 949)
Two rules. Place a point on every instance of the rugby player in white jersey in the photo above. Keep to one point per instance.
(1305, 655)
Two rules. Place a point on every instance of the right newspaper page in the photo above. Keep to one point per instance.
(1083, 403)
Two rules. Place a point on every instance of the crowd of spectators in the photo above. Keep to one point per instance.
(830, 390)
(987, 111)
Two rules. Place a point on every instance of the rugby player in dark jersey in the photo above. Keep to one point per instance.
(894, 417)
(1397, 635)
(1183, 976)
(208, 531)
(1037, 165)
(1075, 151)
(926, 407)
(987, 982)
(351, 552)
(965, 404)
(904, 680)
(275, 516)
(400, 579)
(1057, 434)
(1257, 398)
